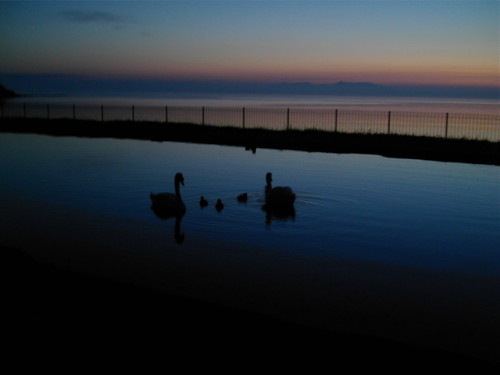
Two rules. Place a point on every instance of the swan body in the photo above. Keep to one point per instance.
(167, 205)
(203, 201)
(278, 196)
(242, 197)
(219, 205)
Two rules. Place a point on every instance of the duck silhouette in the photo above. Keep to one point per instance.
(203, 201)
(219, 206)
(242, 197)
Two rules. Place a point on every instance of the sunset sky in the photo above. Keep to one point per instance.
(385, 42)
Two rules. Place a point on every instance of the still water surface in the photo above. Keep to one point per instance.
(423, 213)
(385, 229)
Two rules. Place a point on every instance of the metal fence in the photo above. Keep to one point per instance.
(444, 125)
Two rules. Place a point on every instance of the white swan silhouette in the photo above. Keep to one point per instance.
(167, 205)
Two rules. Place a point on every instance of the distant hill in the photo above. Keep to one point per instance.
(68, 85)
(6, 93)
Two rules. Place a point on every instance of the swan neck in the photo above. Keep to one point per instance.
(269, 187)
(177, 190)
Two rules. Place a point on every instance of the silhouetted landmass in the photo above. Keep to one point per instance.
(399, 146)
(64, 84)
(51, 312)
(6, 93)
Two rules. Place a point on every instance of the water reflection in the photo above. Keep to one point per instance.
(279, 213)
(178, 235)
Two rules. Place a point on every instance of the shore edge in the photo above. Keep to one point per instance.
(396, 146)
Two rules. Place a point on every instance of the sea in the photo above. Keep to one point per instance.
(411, 104)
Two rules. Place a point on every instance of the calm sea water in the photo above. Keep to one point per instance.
(441, 105)
(373, 239)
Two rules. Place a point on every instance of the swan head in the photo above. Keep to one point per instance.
(179, 178)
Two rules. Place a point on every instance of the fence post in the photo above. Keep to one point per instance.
(102, 113)
(336, 118)
(74, 113)
(133, 114)
(446, 126)
(288, 119)
(203, 115)
(166, 114)
(389, 122)
(243, 117)
(48, 111)
(24, 110)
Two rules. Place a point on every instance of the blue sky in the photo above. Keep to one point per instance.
(386, 42)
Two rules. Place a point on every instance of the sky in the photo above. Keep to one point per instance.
(385, 42)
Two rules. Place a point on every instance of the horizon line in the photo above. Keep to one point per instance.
(166, 79)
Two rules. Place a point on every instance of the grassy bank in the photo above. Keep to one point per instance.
(399, 146)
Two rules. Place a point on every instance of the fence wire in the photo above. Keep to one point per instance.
(444, 125)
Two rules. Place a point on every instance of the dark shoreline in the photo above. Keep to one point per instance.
(51, 310)
(397, 146)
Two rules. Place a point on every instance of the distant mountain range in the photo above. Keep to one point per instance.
(80, 85)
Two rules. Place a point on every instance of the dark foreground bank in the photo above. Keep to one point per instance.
(54, 315)
(413, 147)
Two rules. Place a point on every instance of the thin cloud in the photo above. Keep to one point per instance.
(92, 16)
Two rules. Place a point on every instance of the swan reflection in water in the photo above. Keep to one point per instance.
(277, 213)
(279, 201)
(167, 205)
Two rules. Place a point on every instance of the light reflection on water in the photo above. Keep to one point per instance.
(362, 207)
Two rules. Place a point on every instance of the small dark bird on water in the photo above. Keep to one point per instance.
(242, 197)
(219, 205)
(203, 202)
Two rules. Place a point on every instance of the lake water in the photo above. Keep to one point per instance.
(405, 249)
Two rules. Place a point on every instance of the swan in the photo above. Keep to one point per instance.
(167, 205)
(280, 195)
(203, 201)
(242, 197)
(219, 205)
